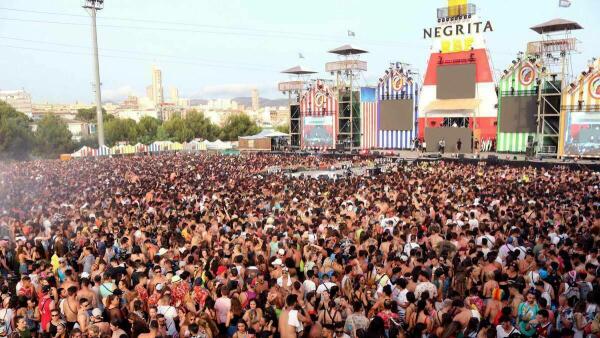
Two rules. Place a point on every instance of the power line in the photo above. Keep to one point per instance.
(165, 22)
(138, 52)
(257, 35)
(243, 32)
(131, 58)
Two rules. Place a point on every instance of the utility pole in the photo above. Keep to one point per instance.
(92, 6)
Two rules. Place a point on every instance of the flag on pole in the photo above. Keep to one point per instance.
(564, 3)
(351, 33)
(300, 55)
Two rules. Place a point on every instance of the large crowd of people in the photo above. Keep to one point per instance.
(197, 246)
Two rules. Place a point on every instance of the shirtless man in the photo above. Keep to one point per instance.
(70, 307)
(82, 314)
(87, 293)
(463, 315)
(291, 321)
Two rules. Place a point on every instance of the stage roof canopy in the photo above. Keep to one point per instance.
(556, 25)
(454, 104)
(348, 50)
(298, 70)
(264, 134)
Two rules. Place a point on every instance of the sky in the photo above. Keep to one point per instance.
(222, 49)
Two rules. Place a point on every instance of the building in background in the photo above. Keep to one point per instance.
(77, 128)
(149, 93)
(66, 111)
(131, 102)
(19, 99)
(157, 86)
(136, 114)
(255, 100)
(174, 94)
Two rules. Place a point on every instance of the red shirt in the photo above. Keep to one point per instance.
(142, 293)
(179, 291)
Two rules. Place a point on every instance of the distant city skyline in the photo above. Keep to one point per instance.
(214, 49)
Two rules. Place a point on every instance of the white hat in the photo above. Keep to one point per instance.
(277, 262)
(96, 312)
(85, 275)
(159, 286)
(281, 252)
(270, 220)
(175, 279)
(162, 251)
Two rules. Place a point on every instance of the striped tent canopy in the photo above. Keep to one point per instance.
(104, 151)
(176, 146)
(195, 145)
(141, 148)
(160, 146)
(154, 147)
(83, 152)
(116, 149)
(128, 149)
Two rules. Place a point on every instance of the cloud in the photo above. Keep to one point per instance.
(231, 90)
(117, 94)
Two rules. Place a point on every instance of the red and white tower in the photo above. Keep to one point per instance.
(458, 89)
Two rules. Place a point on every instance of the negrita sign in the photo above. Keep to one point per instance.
(458, 29)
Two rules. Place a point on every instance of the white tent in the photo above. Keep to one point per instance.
(218, 145)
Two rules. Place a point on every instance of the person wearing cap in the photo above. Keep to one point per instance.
(179, 290)
(97, 320)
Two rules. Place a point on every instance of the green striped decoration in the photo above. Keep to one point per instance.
(511, 142)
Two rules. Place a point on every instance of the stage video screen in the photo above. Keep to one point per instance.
(396, 115)
(518, 114)
(317, 131)
(583, 134)
(456, 81)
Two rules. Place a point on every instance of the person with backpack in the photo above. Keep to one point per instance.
(569, 288)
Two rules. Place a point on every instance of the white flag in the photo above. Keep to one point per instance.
(564, 3)
(351, 33)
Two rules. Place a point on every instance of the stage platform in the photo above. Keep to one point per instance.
(489, 158)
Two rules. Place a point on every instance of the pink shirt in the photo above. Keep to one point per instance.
(222, 306)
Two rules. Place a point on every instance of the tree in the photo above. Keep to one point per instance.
(117, 130)
(147, 129)
(177, 130)
(89, 115)
(16, 138)
(161, 133)
(238, 125)
(284, 128)
(53, 137)
(87, 141)
(201, 126)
